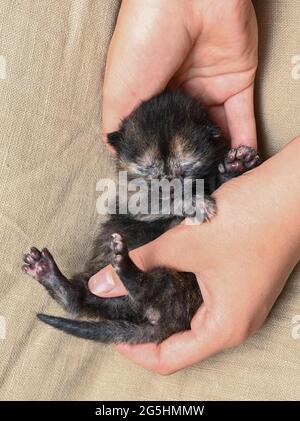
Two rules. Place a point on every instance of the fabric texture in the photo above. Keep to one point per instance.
(51, 70)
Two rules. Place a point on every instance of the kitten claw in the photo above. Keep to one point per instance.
(119, 250)
(231, 155)
(253, 163)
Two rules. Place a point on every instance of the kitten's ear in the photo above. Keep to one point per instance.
(114, 139)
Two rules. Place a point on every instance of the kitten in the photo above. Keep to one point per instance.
(169, 136)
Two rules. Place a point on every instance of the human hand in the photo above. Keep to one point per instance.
(242, 259)
(206, 47)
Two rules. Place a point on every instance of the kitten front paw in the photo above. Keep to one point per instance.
(237, 161)
(209, 208)
(39, 265)
(202, 210)
(119, 252)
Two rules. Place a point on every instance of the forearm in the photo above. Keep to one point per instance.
(281, 178)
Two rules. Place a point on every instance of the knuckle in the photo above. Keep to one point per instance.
(239, 336)
(162, 369)
(235, 335)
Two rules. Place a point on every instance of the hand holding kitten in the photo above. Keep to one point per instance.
(242, 259)
(207, 48)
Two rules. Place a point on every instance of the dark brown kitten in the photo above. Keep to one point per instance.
(167, 137)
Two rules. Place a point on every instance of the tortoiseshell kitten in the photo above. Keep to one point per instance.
(169, 136)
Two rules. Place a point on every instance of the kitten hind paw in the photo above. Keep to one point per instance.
(38, 264)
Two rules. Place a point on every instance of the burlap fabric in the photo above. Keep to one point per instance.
(51, 65)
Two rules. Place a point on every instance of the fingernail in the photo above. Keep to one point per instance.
(106, 284)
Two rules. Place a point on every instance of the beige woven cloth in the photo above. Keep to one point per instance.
(52, 54)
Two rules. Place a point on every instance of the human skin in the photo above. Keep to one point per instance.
(206, 47)
(242, 259)
(243, 256)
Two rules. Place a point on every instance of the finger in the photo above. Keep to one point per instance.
(141, 60)
(239, 110)
(218, 116)
(168, 250)
(180, 350)
(107, 284)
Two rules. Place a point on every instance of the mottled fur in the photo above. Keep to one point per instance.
(169, 136)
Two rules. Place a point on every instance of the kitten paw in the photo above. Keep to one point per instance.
(203, 210)
(38, 264)
(120, 252)
(238, 161)
(209, 208)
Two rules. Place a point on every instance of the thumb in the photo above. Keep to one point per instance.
(106, 283)
(168, 250)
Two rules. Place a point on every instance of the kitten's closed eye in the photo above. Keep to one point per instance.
(154, 170)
